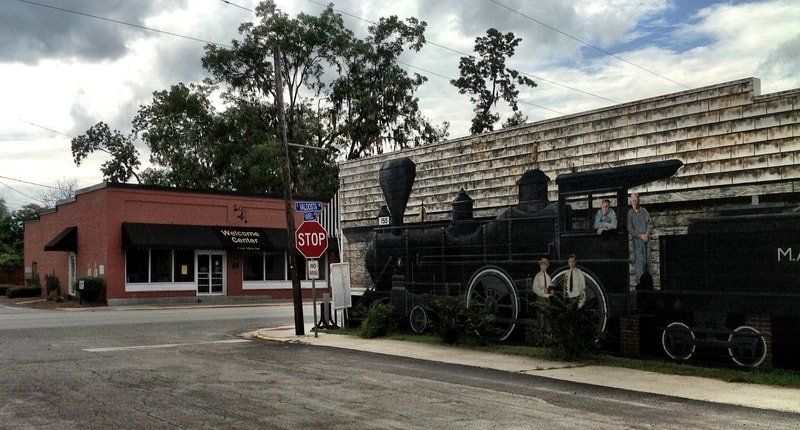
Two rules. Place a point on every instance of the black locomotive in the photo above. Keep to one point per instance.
(706, 297)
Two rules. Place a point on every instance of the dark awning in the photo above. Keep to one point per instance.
(617, 177)
(175, 236)
(67, 240)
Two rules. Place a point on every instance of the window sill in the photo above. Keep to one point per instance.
(280, 285)
(160, 286)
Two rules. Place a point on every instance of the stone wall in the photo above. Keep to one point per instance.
(733, 142)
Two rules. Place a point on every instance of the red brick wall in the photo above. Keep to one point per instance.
(88, 213)
(99, 215)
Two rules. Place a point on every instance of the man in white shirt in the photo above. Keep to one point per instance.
(575, 282)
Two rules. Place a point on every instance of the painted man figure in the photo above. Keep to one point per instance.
(605, 219)
(543, 287)
(575, 282)
(640, 228)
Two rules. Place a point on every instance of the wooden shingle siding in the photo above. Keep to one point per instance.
(728, 136)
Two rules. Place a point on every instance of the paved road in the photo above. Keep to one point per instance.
(189, 369)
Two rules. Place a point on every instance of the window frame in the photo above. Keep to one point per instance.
(149, 285)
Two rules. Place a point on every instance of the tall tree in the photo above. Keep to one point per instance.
(342, 93)
(487, 79)
(373, 101)
(124, 160)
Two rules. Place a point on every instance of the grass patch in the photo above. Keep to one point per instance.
(778, 377)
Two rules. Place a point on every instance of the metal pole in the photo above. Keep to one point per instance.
(314, 299)
(299, 327)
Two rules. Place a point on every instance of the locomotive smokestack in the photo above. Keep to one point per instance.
(533, 186)
(397, 178)
(462, 207)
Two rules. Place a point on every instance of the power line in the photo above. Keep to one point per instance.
(426, 70)
(447, 48)
(236, 5)
(20, 192)
(116, 21)
(46, 128)
(450, 79)
(587, 43)
(29, 183)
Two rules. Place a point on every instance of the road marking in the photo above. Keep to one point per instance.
(9, 307)
(165, 345)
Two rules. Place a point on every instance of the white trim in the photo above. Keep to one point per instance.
(224, 272)
(280, 285)
(161, 286)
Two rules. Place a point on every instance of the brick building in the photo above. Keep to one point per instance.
(156, 244)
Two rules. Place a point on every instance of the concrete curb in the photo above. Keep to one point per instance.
(255, 334)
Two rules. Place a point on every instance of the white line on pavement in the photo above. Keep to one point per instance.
(165, 345)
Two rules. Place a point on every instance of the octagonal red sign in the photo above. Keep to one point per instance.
(311, 239)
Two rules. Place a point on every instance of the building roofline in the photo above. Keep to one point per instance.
(118, 185)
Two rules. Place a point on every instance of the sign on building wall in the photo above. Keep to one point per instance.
(242, 239)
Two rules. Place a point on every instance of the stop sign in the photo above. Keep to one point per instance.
(311, 239)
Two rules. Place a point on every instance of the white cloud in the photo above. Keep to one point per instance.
(719, 43)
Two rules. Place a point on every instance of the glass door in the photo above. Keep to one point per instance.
(210, 272)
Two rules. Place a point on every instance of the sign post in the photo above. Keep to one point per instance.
(312, 270)
(312, 241)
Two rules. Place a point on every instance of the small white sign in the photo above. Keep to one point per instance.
(340, 285)
(80, 285)
(312, 269)
(383, 220)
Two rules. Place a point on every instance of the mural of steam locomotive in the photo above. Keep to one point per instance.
(724, 272)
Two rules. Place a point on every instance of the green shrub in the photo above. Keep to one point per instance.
(574, 329)
(453, 320)
(378, 321)
(20, 291)
(53, 284)
(3, 288)
(94, 289)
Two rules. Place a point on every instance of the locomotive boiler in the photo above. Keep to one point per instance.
(731, 283)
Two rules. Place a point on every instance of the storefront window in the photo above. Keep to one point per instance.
(136, 265)
(274, 266)
(184, 266)
(160, 265)
(253, 266)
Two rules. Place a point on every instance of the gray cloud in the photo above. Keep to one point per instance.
(30, 33)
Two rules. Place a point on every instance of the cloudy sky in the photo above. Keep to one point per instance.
(65, 71)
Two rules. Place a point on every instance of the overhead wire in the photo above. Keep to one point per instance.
(21, 193)
(457, 51)
(606, 52)
(29, 183)
(116, 21)
(417, 67)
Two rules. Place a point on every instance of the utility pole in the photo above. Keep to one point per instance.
(299, 324)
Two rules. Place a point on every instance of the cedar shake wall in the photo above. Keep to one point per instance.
(734, 143)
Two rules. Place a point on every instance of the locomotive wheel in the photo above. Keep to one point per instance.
(678, 341)
(418, 319)
(493, 289)
(749, 348)
(593, 291)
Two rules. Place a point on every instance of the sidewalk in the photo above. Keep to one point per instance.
(688, 387)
